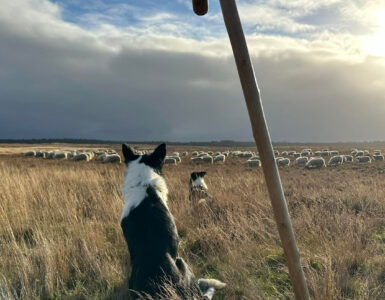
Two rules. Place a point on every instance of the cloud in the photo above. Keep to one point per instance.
(60, 80)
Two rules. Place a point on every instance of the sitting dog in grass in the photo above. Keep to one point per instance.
(198, 189)
(151, 234)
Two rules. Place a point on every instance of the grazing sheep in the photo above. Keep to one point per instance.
(253, 162)
(175, 154)
(170, 160)
(284, 153)
(301, 161)
(348, 158)
(366, 152)
(364, 159)
(291, 153)
(296, 155)
(60, 155)
(30, 153)
(184, 153)
(283, 161)
(315, 163)
(377, 152)
(336, 160)
(112, 158)
(378, 157)
(80, 157)
(325, 153)
(39, 154)
(318, 153)
(196, 159)
(359, 153)
(101, 156)
(334, 152)
(207, 159)
(305, 153)
(219, 158)
(276, 152)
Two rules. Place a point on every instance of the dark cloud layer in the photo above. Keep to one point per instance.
(55, 87)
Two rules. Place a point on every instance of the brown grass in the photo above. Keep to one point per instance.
(60, 235)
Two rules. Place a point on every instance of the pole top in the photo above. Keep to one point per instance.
(200, 7)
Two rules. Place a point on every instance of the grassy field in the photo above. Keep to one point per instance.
(60, 236)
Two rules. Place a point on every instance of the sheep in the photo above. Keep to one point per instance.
(80, 157)
(378, 157)
(177, 158)
(305, 153)
(276, 152)
(207, 159)
(301, 161)
(366, 152)
(348, 158)
(219, 158)
(296, 155)
(334, 152)
(318, 153)
(377, 152)
(170, 160)
(284, 153)
(175, 154)
(325, 153)
(50, 154)
(315, 163)
(283, 161)
(195, 153)
(30, 153)
(336, 160)
(59, 155)
(112, 158)
(102, 156)
(196, 159)
(364, 159)
(359, 153)
(39, 154)
(184, 154)
(253, 162)
(291, 153)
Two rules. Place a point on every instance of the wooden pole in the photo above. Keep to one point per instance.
(263, 142)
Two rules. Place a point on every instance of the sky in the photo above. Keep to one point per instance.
(145, 70)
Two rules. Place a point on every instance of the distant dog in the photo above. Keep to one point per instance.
(198, 188)
(151, 233)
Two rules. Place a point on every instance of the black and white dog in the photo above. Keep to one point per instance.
(198, 188)
(151, 233)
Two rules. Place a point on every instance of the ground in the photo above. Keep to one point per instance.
(60, 236)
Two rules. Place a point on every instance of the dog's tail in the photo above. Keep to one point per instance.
(208, 286)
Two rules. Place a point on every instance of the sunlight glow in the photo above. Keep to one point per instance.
(375, 45)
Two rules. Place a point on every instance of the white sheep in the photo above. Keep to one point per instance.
(359, 153)
(207, 159)
(80, 157)
(30, 153)
(219, 158)
(253, 162)
(334, 152)
(170, 160)
(315, 163)
(301, 161)
(377, 152)
(283, 161)
(296, 155)
(364, 159)
(336, 160)
(378, 157)
(112, 158)
(305, 153)
(60, 155)
(348, 158)
(196, 159)
(185, 153)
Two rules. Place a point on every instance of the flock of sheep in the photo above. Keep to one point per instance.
(105, 156)
(306, 158)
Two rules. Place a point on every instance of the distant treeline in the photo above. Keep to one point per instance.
(222, 143)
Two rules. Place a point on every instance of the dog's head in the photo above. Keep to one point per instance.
(196, 179)
(154, 160)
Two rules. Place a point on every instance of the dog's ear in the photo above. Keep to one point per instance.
(202, 174)
(128, 154)
(157, 157)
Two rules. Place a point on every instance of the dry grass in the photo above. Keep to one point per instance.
(60, 235)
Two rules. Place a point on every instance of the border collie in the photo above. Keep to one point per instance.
(198, 188)
(151, 234)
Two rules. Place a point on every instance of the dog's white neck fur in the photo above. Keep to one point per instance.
(199, 182)
(137, 179)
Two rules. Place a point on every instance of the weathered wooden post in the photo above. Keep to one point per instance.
(262, 139)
